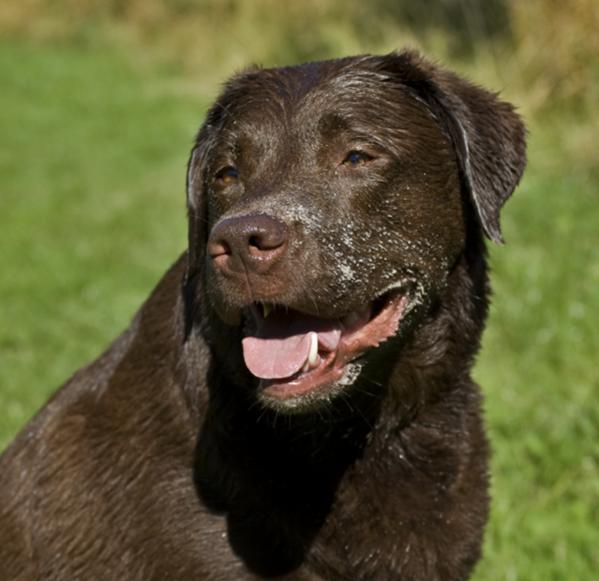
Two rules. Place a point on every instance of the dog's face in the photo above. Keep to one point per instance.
(327, 205)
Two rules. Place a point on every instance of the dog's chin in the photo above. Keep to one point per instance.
(311, 393)
(335, 355)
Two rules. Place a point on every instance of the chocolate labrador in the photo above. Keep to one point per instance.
(294, 399)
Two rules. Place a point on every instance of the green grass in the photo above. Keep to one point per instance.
(538, 368)
(92, 165)
(92, 181)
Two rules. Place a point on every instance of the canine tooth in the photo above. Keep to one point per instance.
(313, 355)
(266, 309)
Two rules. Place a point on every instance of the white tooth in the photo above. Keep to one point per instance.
(266, 309)
(313, 354)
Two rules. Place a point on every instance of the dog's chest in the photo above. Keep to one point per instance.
(368, 533)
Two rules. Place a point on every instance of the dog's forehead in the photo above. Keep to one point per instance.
(310, 92)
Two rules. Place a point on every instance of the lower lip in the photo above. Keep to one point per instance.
(324, 375)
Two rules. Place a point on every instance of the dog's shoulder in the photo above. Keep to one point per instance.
(65, 471)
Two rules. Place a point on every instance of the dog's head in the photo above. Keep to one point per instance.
(328, 204)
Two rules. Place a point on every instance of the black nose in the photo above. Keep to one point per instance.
(254, 242)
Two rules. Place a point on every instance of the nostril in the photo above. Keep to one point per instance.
(218, 248)
(266, 235)
(266, 244)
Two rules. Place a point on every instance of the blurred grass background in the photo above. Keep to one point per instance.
(99, 101)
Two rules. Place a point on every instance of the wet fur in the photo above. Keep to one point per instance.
(160, 461)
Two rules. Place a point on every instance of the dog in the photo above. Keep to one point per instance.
(294, 399)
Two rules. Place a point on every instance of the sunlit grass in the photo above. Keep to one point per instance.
(92, 170)
(92, 163)
(541, 383)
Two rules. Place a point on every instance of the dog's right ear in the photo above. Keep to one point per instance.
(197, 219)
(196, 208)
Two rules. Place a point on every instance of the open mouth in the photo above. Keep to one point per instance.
(294, 354)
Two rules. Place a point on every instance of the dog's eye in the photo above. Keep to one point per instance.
(227, 175)
(355, 158)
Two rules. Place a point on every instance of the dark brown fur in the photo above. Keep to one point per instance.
(163, 459)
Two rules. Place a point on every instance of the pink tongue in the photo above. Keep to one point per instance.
(281, 344)
(276, 358)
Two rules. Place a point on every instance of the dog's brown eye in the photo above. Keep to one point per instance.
(227, 175)
(355, 158)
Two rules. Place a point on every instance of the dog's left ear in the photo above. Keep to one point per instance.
(488, 135)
